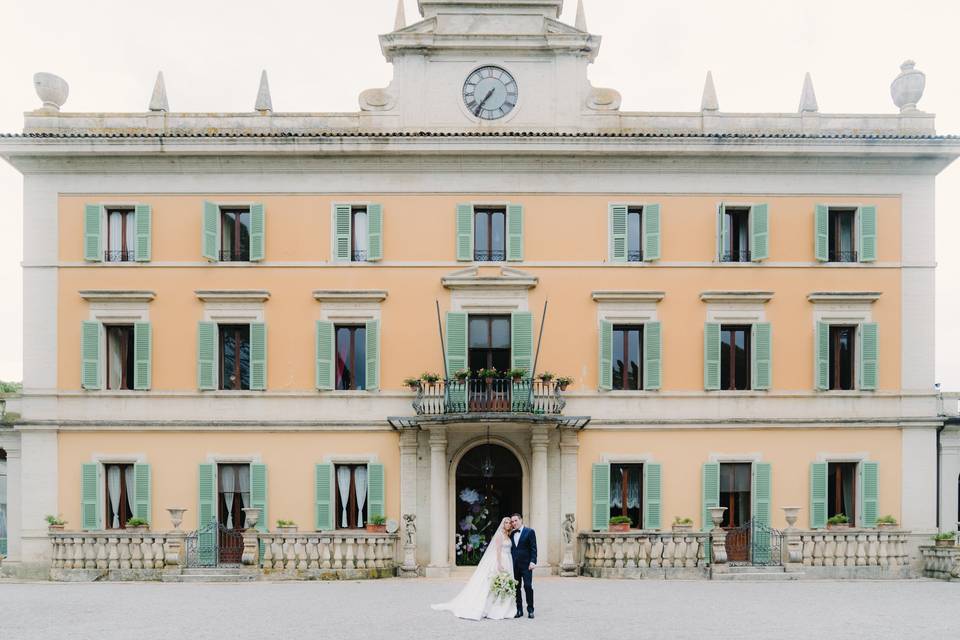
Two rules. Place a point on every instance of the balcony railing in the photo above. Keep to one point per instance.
(843, 256)
(635, 256)
(358, 255)
(228, 255)
(489, 256)
(735, 256)
(496, 395)
(118, 255)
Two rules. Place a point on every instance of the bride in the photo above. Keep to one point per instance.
(475, 601)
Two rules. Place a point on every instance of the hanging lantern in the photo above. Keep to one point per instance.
(486, 464)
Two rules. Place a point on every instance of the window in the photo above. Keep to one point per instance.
(359, 234)
(119, 488)
(233, 494)
(234, 235)
(842, 357)
(735, 357)
(490, 234)
(627, 357)
(121, 235)
(3, 502)
(634, 235)
(626, 491)
(351, 358)
(120, 357)
(842, 489)
(735, 483)
(489, 340)
(234, 356)
(736, 235)
(351, 496)
(841, 235)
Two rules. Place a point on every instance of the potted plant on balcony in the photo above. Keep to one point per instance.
(517, 374)
(546, 376)
(137, 524)
(886, 522)
(377, 524)
(412, 383)
(682, 525)
(839, 521)
(488, 375)
(430, 378)
(563, 382)
(55, 523)
(620, 524)
(286, 526)
(461, 375)
(948, 539)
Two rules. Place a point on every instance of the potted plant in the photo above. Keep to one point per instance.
(137, 524)
(886, 522)
(839, 521)
(430, 378)
(546, 376)
(563, 382)
(948, 539)
(412, 383)
(682, 525)
(461, 375)
(55, 523)
(620, 524)
(517, 374)
(377, 524)
(286, 526)
(488, 375)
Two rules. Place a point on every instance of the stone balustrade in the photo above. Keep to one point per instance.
(852, 547)
(942, 563)
(322, 555)
(122, 554)
(642, 554)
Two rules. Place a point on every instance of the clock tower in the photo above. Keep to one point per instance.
(489, 64)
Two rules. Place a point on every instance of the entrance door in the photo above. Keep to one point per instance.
(735, 485)
(489, 486)
(233, 494)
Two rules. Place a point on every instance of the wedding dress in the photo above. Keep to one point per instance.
(475, 601)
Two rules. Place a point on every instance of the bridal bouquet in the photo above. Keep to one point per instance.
(503, 586)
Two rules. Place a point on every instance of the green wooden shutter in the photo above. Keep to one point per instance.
(323, 496)
(142, 492)
(456, 342)
(652, 356)
(206, 355)
(521, 340)
(142, 355)
(711, 492)
(760, 538)
(374, 233)
(652, 496)
(342, 222)
(821, 355)
(711, 356)
(207, 515)
(258, 228)
(92, 234)
(465, 232)
(258, 494)
(211, 231)
(759, 233)
(618, 232)
(867, 224)
(372, 382)
(91, 349)
(143, 215)
(90, 496)
(651, 232)
(326, 349)
(601, 497)
(723, 231)
(821, 232)
(818, 495)
(605, 374)
(761, 368)
(375, 491)
(258, 356)
(870, 493)
(515, 232)
(869, 356)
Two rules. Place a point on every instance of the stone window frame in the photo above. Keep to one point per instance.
(843, 308)
(353, 307)
(223, 306)
(116, 307)
(628, 308)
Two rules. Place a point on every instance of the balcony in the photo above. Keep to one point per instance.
(485, 396)
(843, 256)
(735, 256)
(118, 255)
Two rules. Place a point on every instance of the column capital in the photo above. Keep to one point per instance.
(438, 435)
(408, 439)
(539, 436)
(569, 441)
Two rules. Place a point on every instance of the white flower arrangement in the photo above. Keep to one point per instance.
(503, 586)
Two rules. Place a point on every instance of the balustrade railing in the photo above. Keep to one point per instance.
(848, 548)
(604, 554)
(942, 563)
(320, 552)
(495, 395)
(107, 550)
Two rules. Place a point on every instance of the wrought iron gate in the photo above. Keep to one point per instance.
(214, 545)
(754, 543)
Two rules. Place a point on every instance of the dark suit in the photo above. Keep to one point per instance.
(524, 551)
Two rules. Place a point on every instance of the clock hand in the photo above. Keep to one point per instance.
(483, 102)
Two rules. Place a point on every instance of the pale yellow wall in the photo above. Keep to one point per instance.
(174, 458)
(420, 227)
(789, 451)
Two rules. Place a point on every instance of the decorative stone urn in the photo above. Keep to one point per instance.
(176, 516)
(716, 515)
(51, 89)
(907, 88)
(252, 517)
(790, 514)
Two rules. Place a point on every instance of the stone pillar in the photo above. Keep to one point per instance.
(439, 566)
(173, 552)
(408, 470)
(38, 495)
(11, 444)
(539, 495)
(569, 457)
(250, 556)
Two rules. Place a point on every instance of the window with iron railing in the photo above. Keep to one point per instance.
(234, 235)
(121, 229)
(359, 234)
(634, 234)
(736, 239)
(841, 235)
(490, 234)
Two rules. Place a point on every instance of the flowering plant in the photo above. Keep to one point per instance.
(503, 586)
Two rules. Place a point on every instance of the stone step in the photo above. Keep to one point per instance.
(211, 570)
(754, 569)
(755, 575)
(210, 577)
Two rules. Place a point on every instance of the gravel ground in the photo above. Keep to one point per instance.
(399, 609)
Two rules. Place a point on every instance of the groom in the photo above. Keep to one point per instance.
(524, 553)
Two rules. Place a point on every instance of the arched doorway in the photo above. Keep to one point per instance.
(489, 487)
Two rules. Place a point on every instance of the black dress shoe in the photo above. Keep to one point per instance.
(519, 614)
(530, 615)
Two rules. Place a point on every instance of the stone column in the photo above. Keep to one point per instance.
(39, 460)
(408, 470)
(439, 566)
(569, 457)
(539, 495)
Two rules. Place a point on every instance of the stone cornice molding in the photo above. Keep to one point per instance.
(628, 296)
(844, 297)
(736, 296)
(508, 278)
(229, 295)
(349, 295)
(107, 295)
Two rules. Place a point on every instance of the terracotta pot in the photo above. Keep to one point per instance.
(56, 528)
(376, 528)
(619, 528)
(489, 381)
(944, 543)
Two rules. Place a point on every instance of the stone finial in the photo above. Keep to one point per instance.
(158, 101)
(709, 100)
(907, 88)
(51, 89)
(264, 103)
(401, 20)
(808, 98)
(581, 23)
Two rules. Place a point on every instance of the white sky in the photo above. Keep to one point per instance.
(321, 54)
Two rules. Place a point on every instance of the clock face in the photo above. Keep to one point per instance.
(490, 93)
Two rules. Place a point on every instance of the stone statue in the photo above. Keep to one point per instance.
(569, 529)
(410, 526)
(409, 567)
(568, 566)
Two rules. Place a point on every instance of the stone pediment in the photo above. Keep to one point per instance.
(490, 277)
